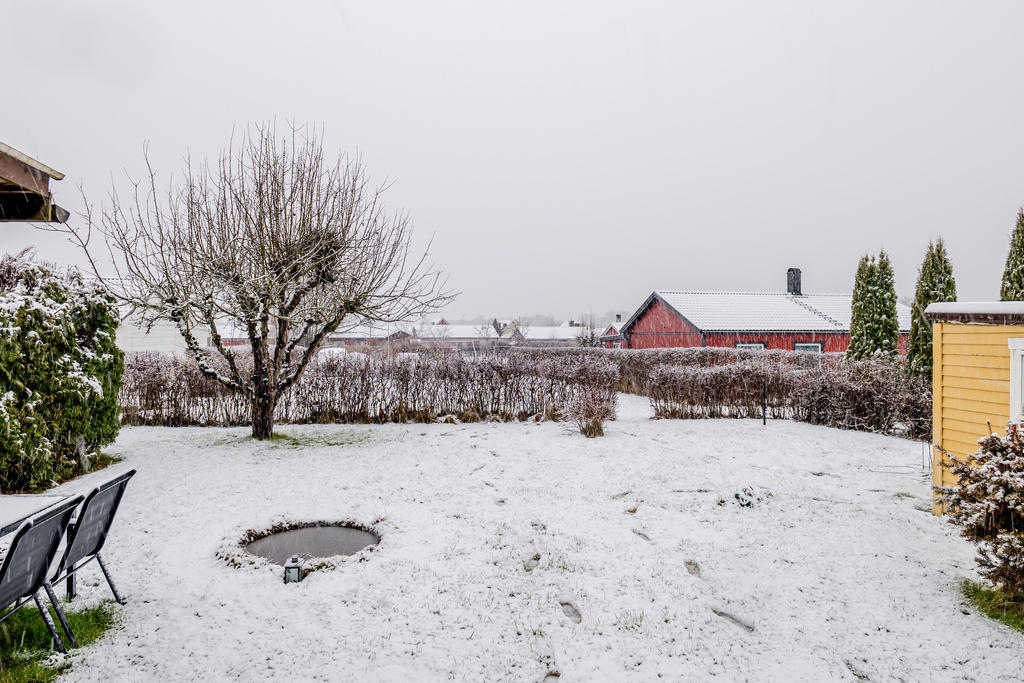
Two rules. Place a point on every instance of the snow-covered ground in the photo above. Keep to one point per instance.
(499, 538)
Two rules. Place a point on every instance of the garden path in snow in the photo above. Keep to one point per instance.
(840, 574)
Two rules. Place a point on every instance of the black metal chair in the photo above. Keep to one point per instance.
(88, 532)
(29, 557)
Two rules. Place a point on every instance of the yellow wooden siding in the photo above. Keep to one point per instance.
(970, 421)
(975, 338)
(975, 389)
(967, 427)
(977, 401)
(971, 388)
(1002, 375)
(976, 360)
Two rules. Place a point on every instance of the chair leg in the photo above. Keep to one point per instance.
(60, 614)
(49, 623)
(110, 582)
(70, 584)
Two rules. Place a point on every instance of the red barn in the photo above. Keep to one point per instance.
(787, 320)
(612, 337)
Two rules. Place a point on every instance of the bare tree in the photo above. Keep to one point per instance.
(273, 238)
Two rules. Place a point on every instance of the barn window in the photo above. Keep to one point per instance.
(617, 345)
(1016, 379)
(751, 345)
(810, 347)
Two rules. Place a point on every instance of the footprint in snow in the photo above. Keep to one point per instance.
(552, 677)
(531, 564)
(499, 501)
(692, 567)
(642, 535)
(570, 611)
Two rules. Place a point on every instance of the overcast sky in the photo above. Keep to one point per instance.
(570, 156)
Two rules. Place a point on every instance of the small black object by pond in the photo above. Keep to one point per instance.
(312, 541)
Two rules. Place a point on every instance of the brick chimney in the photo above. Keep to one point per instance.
(618, 317)
(793, 282)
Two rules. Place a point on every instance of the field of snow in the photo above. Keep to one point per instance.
(515, 551)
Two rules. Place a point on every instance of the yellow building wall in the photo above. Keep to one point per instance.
(971, 387)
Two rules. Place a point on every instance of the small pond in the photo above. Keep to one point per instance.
(312, 541)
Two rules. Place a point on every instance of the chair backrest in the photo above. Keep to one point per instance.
(32, 551)
(87, 536)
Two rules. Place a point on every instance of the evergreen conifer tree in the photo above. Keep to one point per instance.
(935, 282)
(861, 283)
(874, 328)
(1013, 274)
(884, 326)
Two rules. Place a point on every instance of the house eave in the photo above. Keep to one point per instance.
(30, 162)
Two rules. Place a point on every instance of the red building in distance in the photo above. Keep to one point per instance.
(787, 320)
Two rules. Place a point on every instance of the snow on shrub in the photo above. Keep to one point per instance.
(60, 373)
(874, 395)
(987, 503)
(871, 395)
(169, 390)
(161, 389)
(589, 408)
(593, 401)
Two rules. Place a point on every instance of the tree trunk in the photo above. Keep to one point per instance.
(263, 417)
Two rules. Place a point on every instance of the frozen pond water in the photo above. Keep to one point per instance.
(315, 541)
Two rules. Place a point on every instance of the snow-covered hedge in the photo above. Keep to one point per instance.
(60, 373)
(873, 395)
(868, 395)
(161, 389)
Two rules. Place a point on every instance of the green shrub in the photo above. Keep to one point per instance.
(935, 282)
(60, 373)
(987, 504)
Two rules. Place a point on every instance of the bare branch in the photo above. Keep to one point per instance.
(272, 238)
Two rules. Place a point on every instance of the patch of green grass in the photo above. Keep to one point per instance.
(301, 439)
(101, 460)
(25, 642)
(995, 604)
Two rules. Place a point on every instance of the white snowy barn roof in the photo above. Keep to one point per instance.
(612, 330)
(369, 330)
(458, 331)
(762, 311)
(542, 332)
